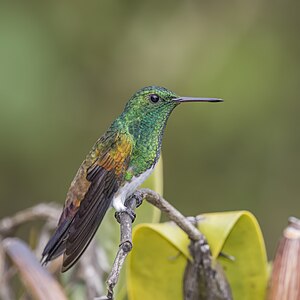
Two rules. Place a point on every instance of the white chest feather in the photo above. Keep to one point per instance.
(128, 189)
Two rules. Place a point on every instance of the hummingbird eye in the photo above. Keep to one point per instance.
(154, 98)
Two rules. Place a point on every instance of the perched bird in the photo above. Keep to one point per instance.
(118, 163)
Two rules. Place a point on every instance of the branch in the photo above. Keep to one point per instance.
(124, 248)
(199, 274)
(40, 211)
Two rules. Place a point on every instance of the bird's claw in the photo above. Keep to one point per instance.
(131, 214)
(128, 211)
(138, 199)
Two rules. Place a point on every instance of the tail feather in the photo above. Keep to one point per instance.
(75, 231)
(57, 244)
(89, 216)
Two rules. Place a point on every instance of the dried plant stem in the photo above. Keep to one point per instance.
(88, 270)
(40, 211)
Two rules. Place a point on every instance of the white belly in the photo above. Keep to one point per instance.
(128, 189)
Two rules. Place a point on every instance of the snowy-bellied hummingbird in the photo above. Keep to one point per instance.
(121, 159)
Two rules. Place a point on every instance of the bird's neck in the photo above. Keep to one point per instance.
(147, 132)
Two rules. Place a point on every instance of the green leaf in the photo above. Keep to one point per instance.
(157, 262)
(241, 237)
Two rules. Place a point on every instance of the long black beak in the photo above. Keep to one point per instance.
(192, 99)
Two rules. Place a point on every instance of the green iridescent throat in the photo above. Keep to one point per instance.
(145, 122)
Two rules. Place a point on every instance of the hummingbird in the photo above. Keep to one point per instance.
(121, 159)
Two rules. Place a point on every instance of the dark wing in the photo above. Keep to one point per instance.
(80, 221)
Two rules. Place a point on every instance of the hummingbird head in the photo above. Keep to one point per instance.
(159, 101)
(145, 117)
(151, 99)
(148, 110)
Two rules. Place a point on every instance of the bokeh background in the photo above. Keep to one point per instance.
(68, 67)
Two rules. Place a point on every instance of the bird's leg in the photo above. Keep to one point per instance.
(137, 198)
(128, 211)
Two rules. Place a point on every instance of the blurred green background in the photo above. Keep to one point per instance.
(68, 67)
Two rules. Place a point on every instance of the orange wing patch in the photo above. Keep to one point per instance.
(113, 156)
(117, 157)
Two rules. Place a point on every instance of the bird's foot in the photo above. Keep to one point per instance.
(138, 199)
(127, 211)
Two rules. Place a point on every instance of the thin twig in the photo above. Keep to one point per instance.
(124, 248)
(40, 211)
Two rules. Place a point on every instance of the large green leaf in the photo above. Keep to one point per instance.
(157, 262)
